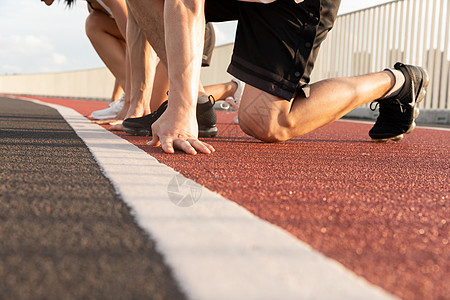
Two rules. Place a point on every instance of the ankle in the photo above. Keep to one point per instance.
(229, 89)
(233, 86)
(398, 80)
(137, 111)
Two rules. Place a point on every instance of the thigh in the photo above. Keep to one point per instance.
(100, 22)
(263, 115)
(210, 43)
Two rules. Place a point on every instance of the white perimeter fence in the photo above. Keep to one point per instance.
(411, 31)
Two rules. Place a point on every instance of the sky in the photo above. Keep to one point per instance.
(35, 38)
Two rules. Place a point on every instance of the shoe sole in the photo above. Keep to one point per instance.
(203, 133)
(108, 117)
(420, 97)
(134, 131)
(207, 132)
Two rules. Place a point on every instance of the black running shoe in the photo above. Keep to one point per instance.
(143, 126)
(397, 113)
(206, 119)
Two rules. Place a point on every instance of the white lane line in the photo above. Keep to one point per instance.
(216, 249)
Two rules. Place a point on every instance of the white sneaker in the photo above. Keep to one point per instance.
(235, 101)
(111, 111)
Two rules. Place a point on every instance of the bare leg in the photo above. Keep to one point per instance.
(148, 87)
(160, 87)
(118, 120)
(221, 91)
(108, 42)
(142, 70)
(117, 91)
(146, 80)
(272, 119)
(175, 29)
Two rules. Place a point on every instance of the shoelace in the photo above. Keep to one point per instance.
(375, 106)
(393, 101)
(212, 99)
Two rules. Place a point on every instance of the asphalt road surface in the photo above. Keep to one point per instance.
(64, 232)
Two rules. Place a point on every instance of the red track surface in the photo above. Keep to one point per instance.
(382, 210)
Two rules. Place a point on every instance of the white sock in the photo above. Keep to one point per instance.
(399, 82)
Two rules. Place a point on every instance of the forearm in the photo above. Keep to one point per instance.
(184, 38)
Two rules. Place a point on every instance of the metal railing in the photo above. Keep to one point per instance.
(411, 31)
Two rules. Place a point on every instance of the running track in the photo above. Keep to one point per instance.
(380, 210)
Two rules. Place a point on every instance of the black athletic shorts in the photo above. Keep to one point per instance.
(276, 44)
(210, 42)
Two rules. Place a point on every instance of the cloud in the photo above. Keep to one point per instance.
(29, 45)
(59, 59)
(29, 54)
(39, 38)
